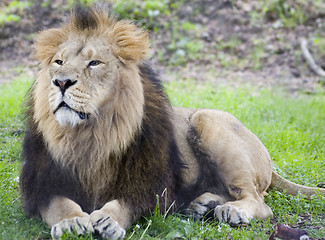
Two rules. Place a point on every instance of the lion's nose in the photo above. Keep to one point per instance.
(64, 84)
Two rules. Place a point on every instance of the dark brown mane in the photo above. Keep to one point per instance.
(84, 18)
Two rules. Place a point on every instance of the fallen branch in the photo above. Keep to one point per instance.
(305, 52)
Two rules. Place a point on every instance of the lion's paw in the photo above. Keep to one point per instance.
(196, 210)
(106, 226)
(231, 214)
(199, 210)
(80, 225)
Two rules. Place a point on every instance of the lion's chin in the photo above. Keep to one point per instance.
(68, 117)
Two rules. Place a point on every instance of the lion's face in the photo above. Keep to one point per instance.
(88, 67)
(83, 77)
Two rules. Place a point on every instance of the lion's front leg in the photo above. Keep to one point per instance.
(111, 220)
(63, 214)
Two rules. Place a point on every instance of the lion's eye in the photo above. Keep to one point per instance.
(58, 62)
(94, 63)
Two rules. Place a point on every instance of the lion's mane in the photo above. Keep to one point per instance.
(125, 150)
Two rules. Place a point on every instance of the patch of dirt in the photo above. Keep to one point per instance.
(277, 49)
(281, 61)
(17, 38)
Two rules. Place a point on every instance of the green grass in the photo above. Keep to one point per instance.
(13, 222)
(292, 129)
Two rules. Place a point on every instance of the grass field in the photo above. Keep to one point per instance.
(293, 130)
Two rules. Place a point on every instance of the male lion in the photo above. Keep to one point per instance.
(102, 140)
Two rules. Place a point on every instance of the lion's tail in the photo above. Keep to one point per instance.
(291, 188)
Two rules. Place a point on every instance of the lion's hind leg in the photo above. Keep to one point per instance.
(243, 164)
(204, 205)
(242, 211)
(210, 205)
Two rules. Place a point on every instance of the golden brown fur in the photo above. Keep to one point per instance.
(102, 140)
(123, 113)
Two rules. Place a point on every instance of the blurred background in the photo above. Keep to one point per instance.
(222, 41)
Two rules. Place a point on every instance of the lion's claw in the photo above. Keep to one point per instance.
(80, 225)
(230, 214)
(106, 226)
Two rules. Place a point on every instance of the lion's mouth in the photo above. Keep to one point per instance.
(81, 115)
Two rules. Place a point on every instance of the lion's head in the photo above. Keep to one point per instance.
(83, 65)
(88, 85)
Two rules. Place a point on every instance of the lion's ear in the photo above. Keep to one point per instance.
(132, 44)
(47, 44)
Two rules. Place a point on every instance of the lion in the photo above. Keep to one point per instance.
(103, 141)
